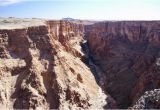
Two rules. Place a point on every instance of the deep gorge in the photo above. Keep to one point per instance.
(126, 52)
(63, 64)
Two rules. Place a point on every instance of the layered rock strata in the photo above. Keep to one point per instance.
(127, 52)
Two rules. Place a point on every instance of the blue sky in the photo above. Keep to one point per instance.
(82, 9)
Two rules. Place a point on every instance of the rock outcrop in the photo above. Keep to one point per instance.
(41, 67)
(127, 52)
(150, 100)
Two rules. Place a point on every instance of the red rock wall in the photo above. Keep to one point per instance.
(127, 52)
(132, 32)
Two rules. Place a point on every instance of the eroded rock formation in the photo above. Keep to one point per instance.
(40, 67)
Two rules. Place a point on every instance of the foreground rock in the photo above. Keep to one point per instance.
(150, 100)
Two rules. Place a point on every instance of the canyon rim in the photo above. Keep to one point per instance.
(79, 64)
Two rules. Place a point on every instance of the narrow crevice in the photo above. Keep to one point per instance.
(88, 60)
(99, 75)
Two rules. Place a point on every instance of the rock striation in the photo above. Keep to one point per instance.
(127, 52)
(68, 34)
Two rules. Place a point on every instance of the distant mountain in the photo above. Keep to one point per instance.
(69, 19)
(79, 21)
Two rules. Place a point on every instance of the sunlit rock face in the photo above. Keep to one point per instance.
(41, 68)
(128, 54)
(66, 33)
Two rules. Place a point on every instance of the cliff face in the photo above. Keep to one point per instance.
(127, 52)
(29, 56)
(65, 30)
(40, 67)
(68, 34)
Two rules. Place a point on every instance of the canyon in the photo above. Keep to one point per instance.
(63, 64)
